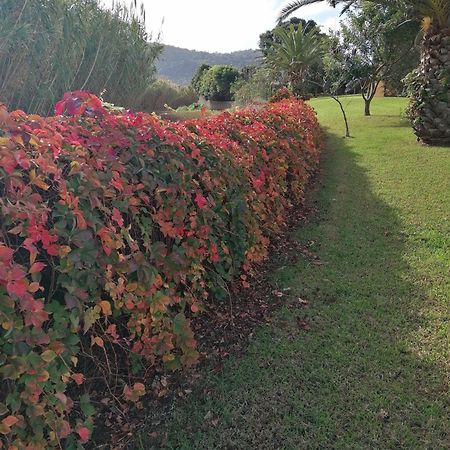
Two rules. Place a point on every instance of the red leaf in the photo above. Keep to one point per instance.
(201, 201)
(34, 287)
(81, 222)
(17, 288)
(65, 430)
(97, 341)
(117, 217)
(10, 421)
(36, 319)
(139, 388)
(8, 163)
(83, 432)
(6, 253)
(37, 267)
(167, 229)
(78, 378)
(59, 108)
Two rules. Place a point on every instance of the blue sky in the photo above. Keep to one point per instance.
(222, 25)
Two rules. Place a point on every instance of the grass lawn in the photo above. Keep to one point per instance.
(372, 372)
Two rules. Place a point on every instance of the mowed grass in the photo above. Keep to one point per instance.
(372, 372)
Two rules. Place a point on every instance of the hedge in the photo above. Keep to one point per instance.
(117, 228)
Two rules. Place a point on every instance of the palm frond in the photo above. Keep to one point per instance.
(347, 6)
(438, 11)
(294, 6)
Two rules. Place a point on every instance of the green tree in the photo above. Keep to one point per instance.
(217, 83)
(430, 103)
(370, 46)
(315, 71)
(255, 85)
(196, 82)
(293, 52)
(267, 39)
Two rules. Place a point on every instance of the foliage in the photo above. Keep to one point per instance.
(281, 94)
(257, 86)
(117, 227)
(162, 93)
(430, 12)
(293, 53)
(372, 46)
(216, 83)
(267, 39)
(47, 48)
(191, 107)
(315, 71)
(197, 79)
(410, 81)
(430, 102)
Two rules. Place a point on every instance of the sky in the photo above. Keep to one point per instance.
(222, 25)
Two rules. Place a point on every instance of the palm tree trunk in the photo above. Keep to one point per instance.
(430, 109)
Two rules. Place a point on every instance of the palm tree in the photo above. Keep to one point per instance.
(293, 52)
(430, 103)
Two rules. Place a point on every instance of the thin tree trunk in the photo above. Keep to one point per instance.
(341, 106)
(344, 115)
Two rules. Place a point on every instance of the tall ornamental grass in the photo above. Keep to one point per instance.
(48, 47)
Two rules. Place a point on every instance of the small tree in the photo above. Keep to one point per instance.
(373, 41)
(334, 83)
(217, 82)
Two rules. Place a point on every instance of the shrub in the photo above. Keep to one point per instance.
(117, 228)
(162, 93)
(282, 94)
(217, 82)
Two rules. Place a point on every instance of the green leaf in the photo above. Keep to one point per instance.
(86, 405)
(91, 315)
(48, 356)
(3, 409)
(179, 323)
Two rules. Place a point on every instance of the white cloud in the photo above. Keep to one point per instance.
(220, 26)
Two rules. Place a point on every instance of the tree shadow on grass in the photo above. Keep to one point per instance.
(340, 366)
(402, 123)
(405, 123)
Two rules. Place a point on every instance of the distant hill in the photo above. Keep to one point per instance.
(179, 64)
